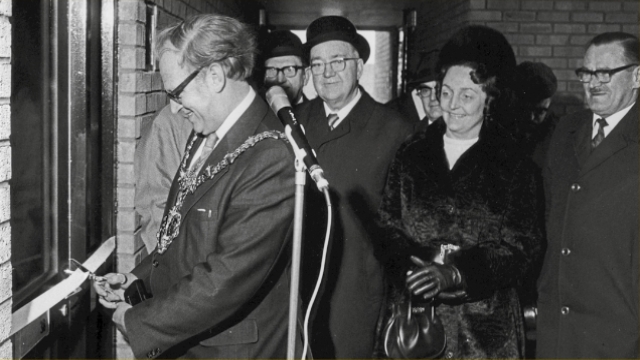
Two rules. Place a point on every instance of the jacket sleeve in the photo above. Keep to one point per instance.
(156, 160)
(252, 233)
(516, 242)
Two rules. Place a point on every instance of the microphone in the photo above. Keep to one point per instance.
(279, 103)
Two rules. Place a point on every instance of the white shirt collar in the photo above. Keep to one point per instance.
(417, 102)
(342, 113)
(612, 121)
(234, 115)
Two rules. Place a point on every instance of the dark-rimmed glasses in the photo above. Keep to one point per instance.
(290, 71)
(424, 91)
(175, 93)
(603, 75)
(337, 65)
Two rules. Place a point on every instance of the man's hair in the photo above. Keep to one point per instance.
(628, 42)
(204, 39)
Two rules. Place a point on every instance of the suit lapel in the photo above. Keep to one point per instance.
(581, 140)
(618, 139)
(238, 134)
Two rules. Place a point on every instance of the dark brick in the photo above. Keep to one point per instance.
(575, 86)
(519, 16)
(562, 86)
(600, 28)
(580, 39)
(631, 29)
(568, 51)
(484, 15)
(604, 6)
(535, 28)
(565, 74)
(622, 18)
(571, 5)
(570, 28)
(552, 39)
(537, 5)
(587, 17)
(477, 4)
(574, 63)
(520, 39)
(632, 6)
(555, 63)
(503, 4)
(535, 51)
(553, 16)
(504, 27)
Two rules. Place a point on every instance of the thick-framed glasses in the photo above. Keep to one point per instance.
(175, 93)
(603, 75)
(424, 91)
(337, 65)
(288, 71)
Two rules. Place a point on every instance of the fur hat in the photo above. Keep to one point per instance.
(329, 28)
(535, 82)
(283, 43)
(479, 44)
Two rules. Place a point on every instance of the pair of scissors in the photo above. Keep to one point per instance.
(92, 275)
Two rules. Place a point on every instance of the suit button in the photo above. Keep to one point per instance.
(565, 251)
(575, 187)
(564, 310)
(155, 263)
(449, 355)
(450, 209)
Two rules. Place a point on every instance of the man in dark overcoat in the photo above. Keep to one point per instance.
(219, 272)
(588, 287)
(355, 139)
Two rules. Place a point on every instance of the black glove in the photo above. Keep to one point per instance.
(432, 278)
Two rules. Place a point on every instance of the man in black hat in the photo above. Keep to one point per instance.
(285, 64)
(355, 139)
(420, 102)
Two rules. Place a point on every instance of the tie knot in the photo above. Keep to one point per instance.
(602, 122)
(331, 119)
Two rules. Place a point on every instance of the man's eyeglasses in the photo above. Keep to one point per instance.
(603, 75)
(424, 91)
(175, 93)
(288, 71)
(337, 65)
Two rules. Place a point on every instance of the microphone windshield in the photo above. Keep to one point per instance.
(277, 98)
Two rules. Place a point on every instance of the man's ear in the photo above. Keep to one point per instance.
(359, 68)
(216, 77)
(307, 75)
(636, 77)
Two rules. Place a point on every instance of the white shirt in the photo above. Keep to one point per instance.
(612, 121)
(454, 148)
(228, 123)
(417, 102)
(342, 113)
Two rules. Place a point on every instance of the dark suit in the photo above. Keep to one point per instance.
(588, 287)
(355, 157)
(221, 289)
(404, 105)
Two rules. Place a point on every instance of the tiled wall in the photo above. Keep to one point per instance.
(553, 32)
(5, 175)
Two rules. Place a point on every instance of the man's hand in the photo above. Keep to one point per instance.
(430, 279)
(118, 317)
(110, 288)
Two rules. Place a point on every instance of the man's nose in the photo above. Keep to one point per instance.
(280, 78)
(328, 71)
(175, 106)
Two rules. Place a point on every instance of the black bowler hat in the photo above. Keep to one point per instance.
(482, 45)
(329, 28)
(283, 43)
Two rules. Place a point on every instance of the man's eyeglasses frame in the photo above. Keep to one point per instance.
(337, 65)
(603, 75)
(175, 93)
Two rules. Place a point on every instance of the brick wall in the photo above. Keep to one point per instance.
(5, 175)
(553, 32)
(140, 95)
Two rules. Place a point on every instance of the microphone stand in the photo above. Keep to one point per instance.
(294, 299)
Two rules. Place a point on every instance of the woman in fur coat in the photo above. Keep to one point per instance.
(462, 208)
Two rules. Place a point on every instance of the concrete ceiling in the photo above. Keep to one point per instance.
(365, 14)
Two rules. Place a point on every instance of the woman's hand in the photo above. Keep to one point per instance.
(432, 278)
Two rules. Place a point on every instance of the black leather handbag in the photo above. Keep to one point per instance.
(414, 332)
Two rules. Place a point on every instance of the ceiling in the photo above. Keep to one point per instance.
(365, 14)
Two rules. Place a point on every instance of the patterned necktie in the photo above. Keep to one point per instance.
(209, 144)
(600, 135)
(331, 119)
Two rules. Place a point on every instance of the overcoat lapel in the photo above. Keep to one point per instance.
(237, 135)
(618, 139)
(581, 140)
